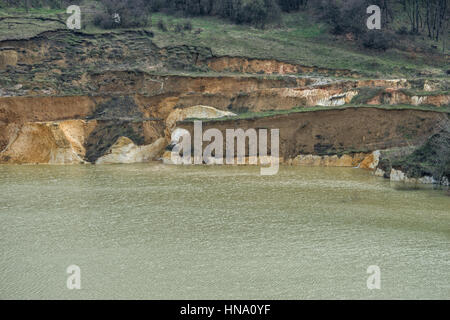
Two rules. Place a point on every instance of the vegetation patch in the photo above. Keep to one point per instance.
(272, 113)
(323, 34)
(107, 133)
(117, 108)
(431, 159)
(421, 93)
(365, 94)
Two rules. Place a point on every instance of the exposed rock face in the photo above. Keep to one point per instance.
(360, 160)
(400, 176)
(248, 65)
(328, 161)
(167, 157)
(242, 94)
(127, 108)
(371, 161)
(237, 64)
(394, 96)
(27, 135)
(173, 134)
(68, 142)
(200, 112)
(156, 116)
(125, 151)
(397, 175)
(337, 99)
(288, 98)
(119, 82)
(259, 161)
(78, 141)
(379, 172)
(48, 143)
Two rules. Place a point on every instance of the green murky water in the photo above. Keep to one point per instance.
(163, 232)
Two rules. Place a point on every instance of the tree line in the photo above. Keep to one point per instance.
(431, 15)
(255, 12)
(344, 16)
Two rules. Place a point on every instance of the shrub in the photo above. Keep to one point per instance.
(187, 26)
(257, 12)
(377, 40)
(403, 31)
(292, 5)
(432, 158)
(162, 25)
(343, 17)
(104, 21)
(132, 13)
(178, 28)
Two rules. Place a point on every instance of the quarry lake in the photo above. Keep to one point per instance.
(165, 232)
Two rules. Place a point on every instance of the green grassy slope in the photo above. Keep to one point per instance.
(19, 24)
(295, 39)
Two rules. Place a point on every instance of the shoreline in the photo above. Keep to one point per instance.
(396, 176)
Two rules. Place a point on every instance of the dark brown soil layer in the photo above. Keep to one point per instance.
(340, 131)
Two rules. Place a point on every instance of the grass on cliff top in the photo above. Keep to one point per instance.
(271, 113)
(296, 39)
(421, 93)
(16, 23)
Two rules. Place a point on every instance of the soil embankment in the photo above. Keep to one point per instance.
(348, 130)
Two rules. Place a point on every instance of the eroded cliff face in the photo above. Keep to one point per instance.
(73, 98)
(199, 112)
(106, 132)
(334, 132)
(249, 65)
(393, 96)
(125, 151)
(346, 160)
(145, 119)
(48, 142)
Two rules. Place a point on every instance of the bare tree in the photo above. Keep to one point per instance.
(414, 8)
(436, 15)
